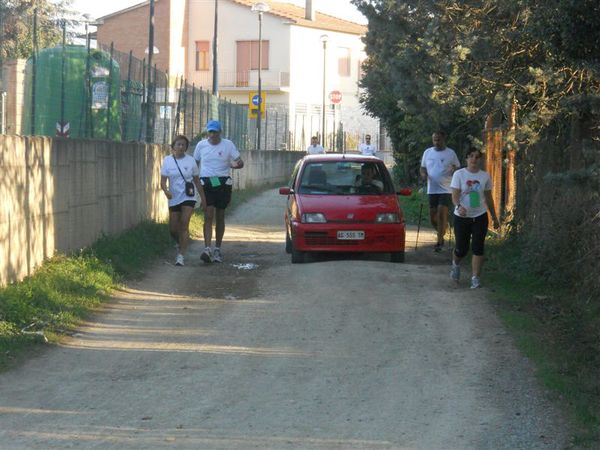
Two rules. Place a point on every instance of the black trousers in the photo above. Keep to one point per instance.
(470, 231)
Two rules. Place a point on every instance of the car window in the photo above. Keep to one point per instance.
(345, 178)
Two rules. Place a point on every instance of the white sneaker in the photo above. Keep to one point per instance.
(179, 260)
(206, 255)
(455, 273)
(475, 282)
(216, 256)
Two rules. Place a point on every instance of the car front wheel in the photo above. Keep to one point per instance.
(397, 257)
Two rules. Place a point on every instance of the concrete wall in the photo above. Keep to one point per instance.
(265, 167)
(60, 195)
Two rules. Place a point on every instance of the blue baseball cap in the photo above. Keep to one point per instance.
(213, 125)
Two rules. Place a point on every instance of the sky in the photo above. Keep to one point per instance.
(339, 8)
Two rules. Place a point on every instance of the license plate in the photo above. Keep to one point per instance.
(351, 235)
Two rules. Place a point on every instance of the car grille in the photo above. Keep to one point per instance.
(349, 221)
(321, 238)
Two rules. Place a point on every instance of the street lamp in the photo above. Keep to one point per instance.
(260, 8)
(324, 38)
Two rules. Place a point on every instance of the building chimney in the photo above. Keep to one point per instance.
(309, 12)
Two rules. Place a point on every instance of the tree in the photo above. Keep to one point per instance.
(449, 64)
(16, 25)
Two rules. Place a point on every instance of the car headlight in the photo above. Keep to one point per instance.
(313, 218)
(387, 218)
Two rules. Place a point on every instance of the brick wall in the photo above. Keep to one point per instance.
(13, 83)
(129, 31)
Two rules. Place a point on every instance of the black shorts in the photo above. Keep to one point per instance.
(218, 196)
(469, 230)
(436, 200)
(177, 208)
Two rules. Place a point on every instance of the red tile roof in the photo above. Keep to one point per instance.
(296, 15)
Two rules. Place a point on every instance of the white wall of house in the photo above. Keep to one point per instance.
(306, 95)
(201, 27)
(178, 39)
(237, 23)
(293, 50)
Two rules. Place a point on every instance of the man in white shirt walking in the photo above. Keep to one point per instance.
(315, 148)
(366, 148)
(216, 156)
(437, 166)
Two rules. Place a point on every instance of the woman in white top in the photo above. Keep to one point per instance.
(472, 197)
(180, 171)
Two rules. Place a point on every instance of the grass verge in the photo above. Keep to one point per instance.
(66, 288)
(553, 333)
(415, 206)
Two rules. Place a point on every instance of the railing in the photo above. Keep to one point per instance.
(271, 79)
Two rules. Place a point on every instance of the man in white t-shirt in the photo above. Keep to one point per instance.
(437, 166)
(366, 148)
(315, 148)
(216, 156)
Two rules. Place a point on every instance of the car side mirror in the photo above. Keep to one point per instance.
(285, 190)
(406, 192)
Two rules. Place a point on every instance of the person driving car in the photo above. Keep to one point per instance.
(366, 181)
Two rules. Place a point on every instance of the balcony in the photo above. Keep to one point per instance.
(272, 80)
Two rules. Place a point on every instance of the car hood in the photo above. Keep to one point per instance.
(348, 207)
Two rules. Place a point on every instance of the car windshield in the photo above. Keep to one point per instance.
(345, 178)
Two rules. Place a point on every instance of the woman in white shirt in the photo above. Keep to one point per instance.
(472, 197)
(180, 171)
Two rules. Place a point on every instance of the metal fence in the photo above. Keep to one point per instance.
(79, 91)
(103, 93)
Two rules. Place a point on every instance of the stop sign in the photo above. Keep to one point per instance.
(335, 96)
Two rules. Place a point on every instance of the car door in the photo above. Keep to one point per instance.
(292, 202)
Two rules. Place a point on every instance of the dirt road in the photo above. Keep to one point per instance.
(256, 353)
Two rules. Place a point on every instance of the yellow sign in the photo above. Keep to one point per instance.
(254, 102)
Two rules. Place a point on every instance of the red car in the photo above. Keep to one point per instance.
(343, 203)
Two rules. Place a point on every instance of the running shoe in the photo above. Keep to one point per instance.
(475, 282)
(455, 273)
(216, 256)
(206, 255)
(179, 260)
